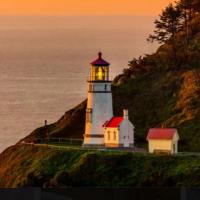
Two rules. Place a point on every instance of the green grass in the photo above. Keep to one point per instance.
(51, 167)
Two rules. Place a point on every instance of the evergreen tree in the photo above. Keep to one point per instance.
(196, 6)
(187, 12)
(168, 24)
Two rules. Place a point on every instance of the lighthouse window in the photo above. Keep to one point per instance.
(100, 74)
(106, 73)
(89, 115)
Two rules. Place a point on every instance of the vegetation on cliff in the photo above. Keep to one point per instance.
(161, 90)
(48, 167)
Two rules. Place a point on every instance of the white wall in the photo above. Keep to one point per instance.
(126, 133)
(111, 141)
(102, 110)
(165, 145)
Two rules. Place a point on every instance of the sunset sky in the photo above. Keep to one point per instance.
(82, 7)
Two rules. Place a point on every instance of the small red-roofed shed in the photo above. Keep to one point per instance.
(163, 140)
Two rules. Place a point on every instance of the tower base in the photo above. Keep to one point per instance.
(94, 140)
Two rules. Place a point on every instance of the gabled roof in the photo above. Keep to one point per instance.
(100, 61)
(161, 133)
(114, 122)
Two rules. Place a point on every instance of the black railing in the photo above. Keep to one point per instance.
(59, 141)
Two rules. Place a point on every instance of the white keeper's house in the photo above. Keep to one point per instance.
(101, 127)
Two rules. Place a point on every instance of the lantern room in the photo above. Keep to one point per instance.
(99, 70)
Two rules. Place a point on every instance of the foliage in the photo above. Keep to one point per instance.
(159, 93)
(168, 25)
(52, 168)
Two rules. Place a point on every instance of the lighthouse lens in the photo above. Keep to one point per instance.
(100, 74)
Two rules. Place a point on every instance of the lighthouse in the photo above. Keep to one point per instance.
(99, 102)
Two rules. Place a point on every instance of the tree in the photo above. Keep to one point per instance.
(196, 6)
(187, 12)
(167, 26)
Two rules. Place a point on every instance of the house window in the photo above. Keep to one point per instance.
(108, 135)
(174, 148)
(124, 137)
(89, 115)
(114, 135)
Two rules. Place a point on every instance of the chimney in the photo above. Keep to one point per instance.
(125, 114)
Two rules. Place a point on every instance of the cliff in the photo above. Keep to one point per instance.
(159, 91)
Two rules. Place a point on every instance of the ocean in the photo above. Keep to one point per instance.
(44, 64)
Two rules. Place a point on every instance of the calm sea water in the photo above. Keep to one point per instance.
(44, 62)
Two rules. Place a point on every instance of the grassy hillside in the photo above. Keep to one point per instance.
(61, 168)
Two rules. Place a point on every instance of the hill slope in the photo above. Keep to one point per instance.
(62, 168)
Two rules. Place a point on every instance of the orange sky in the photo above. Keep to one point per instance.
(82, 7)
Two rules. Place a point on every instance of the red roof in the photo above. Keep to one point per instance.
(100, 61)
(161, 133)
(114, 122)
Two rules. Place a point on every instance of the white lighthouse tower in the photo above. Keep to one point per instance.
(99, 103)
